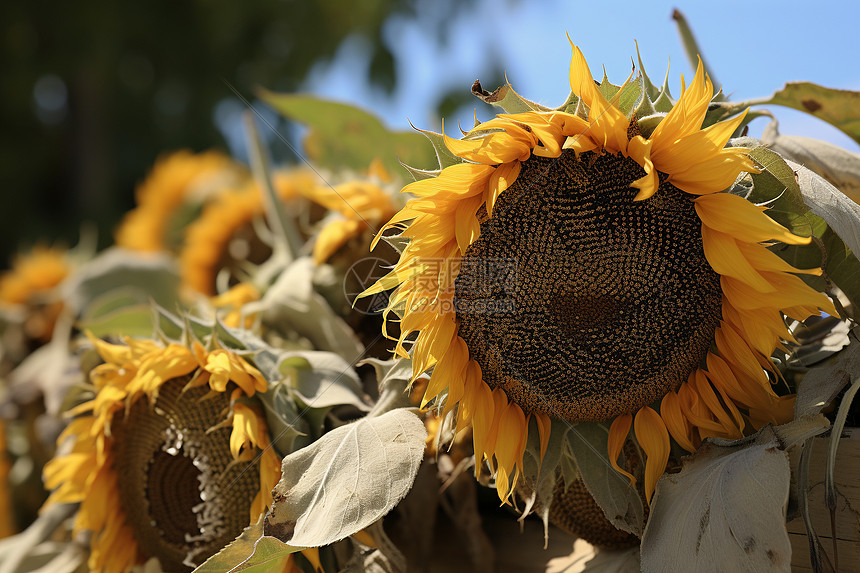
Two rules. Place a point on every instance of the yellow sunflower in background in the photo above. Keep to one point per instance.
(576, 267)
(359, 205)
(31, 277)
(173, 181)
(171, 458)
(223, 236)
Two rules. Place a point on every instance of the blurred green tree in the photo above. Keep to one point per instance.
(93, 92)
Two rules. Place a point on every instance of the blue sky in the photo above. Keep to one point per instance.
(752, 47)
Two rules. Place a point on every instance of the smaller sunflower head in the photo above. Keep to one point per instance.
(228, 237)
(170, 459)
(578, 265)
(176, 184)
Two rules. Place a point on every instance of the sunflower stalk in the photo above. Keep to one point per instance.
(288, 241)
(691, 47)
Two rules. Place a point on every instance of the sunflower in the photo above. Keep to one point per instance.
(173, 181)
(223, 236)
(357, 206)
(583, 265)
(32, 276)
(171, 458)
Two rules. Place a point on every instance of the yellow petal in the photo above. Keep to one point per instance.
(617, 436)
(502, 178)
(676, 423)
(726, 258)
(652, 435)
(741, 219)
(544, 428)
(333, 236)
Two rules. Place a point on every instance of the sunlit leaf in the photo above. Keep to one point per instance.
(346, 480)
(252, 551)
(839, 166)
(345, 137)
(506, 98)
(840, 108)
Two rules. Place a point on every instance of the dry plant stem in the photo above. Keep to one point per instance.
(815, 549)
(283, 228)
(835, 435)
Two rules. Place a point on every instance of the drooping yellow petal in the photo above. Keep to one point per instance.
(449, 371)
(652, 435)
(502, 178)
(510, 445)
(333, 236)
(544, 428)
(741, 219)
(617, 436)
(639, 149)
(678, 425)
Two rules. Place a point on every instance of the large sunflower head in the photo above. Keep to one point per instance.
(178, 180)
(580, 264)
(170, 459)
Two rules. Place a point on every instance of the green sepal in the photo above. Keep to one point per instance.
(421, 174)
(444, 157)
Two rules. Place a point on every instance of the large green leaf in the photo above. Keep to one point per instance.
(342, 136)
(840, 108)
(142, 277)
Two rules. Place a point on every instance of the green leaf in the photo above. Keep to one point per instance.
(286, 424)
(841, 240)
(345, 137)
(725, 510)
(506, 98)
(252, 551)
(134, 321)
(144, 278)
(611, 490)
(323, 379)
(777, 187)
(292, 305)
(841, 213)
(347, 479)
(393, 377)
(822, 384)
(840, 108)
